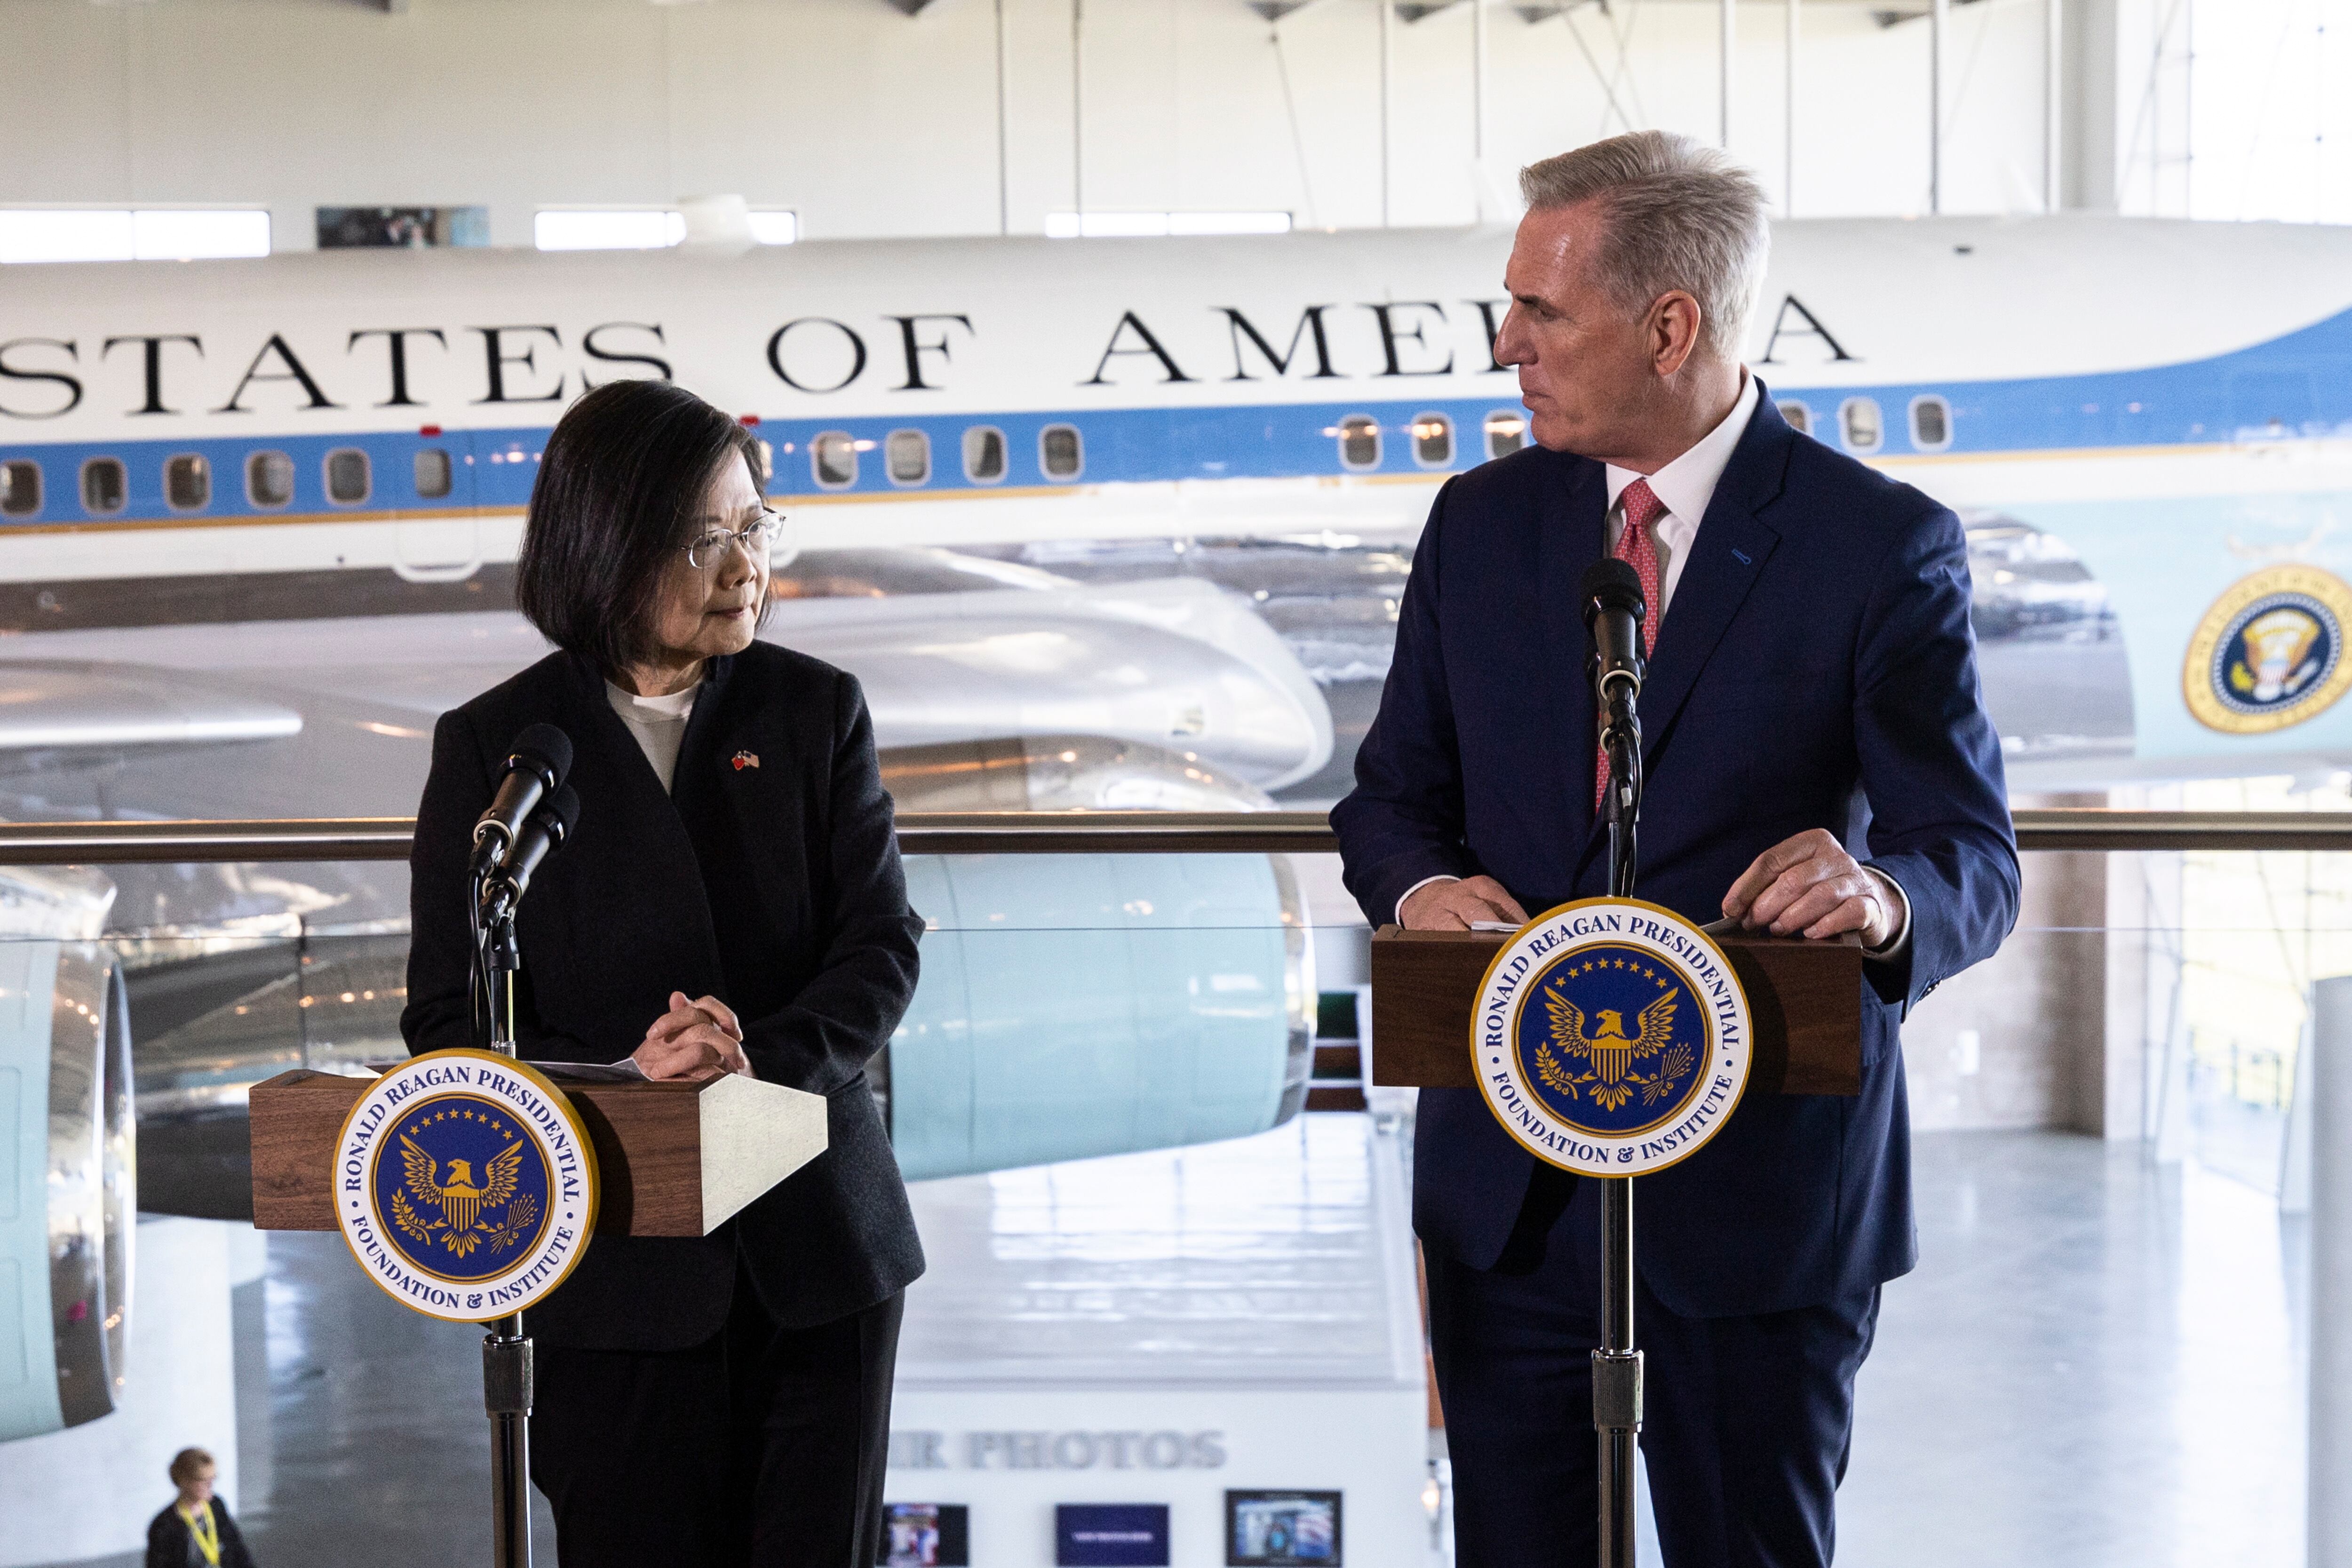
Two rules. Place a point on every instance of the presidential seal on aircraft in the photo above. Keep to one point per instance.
(1611, 1037)
(2270, 653)
(465, 1185)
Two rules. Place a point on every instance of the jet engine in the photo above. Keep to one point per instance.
(1069, 1005)
(69, 1207)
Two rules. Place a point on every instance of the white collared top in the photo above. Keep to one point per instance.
(1684, 488)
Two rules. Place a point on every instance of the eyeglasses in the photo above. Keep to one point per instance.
(707, 550)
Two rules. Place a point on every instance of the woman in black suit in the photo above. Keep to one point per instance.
(731, 900)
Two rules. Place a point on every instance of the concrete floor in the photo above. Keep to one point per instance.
(2097, 1363)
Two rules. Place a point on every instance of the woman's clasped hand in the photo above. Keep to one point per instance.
(692, 1037)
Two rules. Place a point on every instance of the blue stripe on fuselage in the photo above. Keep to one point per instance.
(2299, 385)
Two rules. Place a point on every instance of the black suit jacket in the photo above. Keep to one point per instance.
(772, 884)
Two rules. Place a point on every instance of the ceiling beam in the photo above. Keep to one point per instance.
(1279, 10)
(1896, 15)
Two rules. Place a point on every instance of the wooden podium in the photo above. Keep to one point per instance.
(1804, 1002)
(674, 1158)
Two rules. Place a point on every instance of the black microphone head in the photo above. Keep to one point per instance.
(1614, 583)
(561, 813)
(545, 751)
(1610, 583)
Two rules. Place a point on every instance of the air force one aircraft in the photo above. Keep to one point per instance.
(1113, 522)
(329, 444)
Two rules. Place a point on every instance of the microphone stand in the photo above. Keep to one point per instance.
(506, 1349)
(1617, 1365)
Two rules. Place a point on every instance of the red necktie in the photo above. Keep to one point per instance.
(1639, 551)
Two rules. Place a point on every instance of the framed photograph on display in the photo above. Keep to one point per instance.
(1266, 1529)
(1111, 1535)
(925, 1535)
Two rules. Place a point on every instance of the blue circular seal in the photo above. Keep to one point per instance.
(1615, 1043)
(465, 1185)
(2274, 651)
(462, 1185)
(1612, 1037)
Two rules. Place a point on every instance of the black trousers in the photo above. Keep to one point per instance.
(762, 1446)
(1746, 1421)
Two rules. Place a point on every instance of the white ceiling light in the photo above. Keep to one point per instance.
(642, 229)
(1133, 224)
(645, 228)
(163, 234)
(776, 227)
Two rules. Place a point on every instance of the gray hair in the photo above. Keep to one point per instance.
(1680, 215)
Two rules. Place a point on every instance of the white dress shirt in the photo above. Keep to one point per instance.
(657, 723)
(1684, 488)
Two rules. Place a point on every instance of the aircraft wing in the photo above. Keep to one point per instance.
(50, 705)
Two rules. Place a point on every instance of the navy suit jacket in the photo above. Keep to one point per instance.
(1816, 669)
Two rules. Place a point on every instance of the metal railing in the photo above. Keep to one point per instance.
(1078, 833)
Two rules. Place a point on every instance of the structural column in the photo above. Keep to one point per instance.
(2330, 1481)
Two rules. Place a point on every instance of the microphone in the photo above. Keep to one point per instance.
(542, 834)
(536, 764)
(1613, 612)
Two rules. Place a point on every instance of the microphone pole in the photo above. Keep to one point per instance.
(1613, 614)
(504, 861)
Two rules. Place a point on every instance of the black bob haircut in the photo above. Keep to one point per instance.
(624, 472)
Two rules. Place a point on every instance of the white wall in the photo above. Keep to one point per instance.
(873, 123)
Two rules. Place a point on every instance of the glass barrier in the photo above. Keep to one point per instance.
(1168, 1220)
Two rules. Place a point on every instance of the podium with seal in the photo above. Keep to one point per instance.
(469, 1183)
(1614, 1039)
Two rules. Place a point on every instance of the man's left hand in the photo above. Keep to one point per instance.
(1810, 884)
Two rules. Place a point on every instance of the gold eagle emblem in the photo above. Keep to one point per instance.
(463, 1201)
(1612, 1057)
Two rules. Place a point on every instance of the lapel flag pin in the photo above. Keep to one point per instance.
(746, 760)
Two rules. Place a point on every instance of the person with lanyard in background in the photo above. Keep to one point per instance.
(196, 1532)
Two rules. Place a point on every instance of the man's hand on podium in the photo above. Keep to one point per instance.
(692, 1037)
(1450, 905)
(1809, 885)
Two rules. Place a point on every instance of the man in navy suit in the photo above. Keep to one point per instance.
(1818, 761)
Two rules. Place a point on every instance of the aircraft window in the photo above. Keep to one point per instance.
(907, 455)
(1359, 442)
(187, 482)
(984, 455)
(348, 479)
(1060, 452)
(1432, 440)
(1506, 433)
(269, 479)
(1931, 422)
(832, 458)
(434, 476)
(103, 486)
(1800, 417)
(1859, 417)
(20, 488)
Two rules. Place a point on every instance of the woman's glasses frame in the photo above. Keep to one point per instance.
(707, 550)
